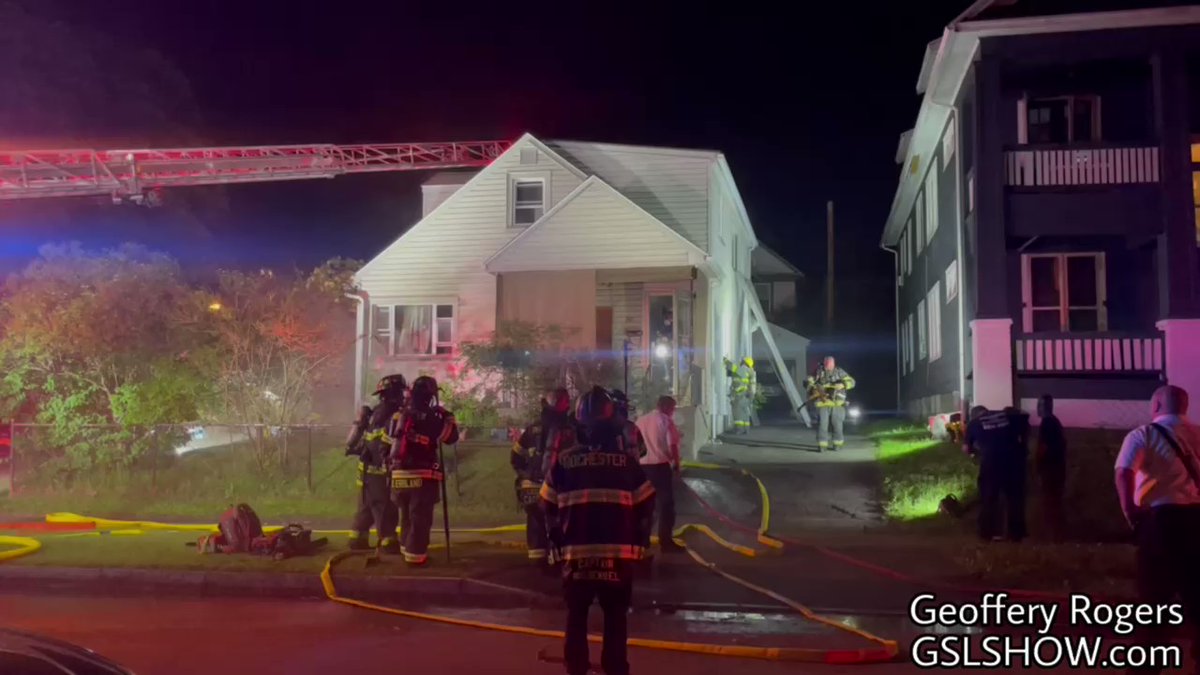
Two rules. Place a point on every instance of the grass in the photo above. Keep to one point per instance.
(918, 472)
(199, 486)
(169, 550)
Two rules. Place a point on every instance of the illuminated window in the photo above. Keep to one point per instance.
(933, 302)
(922, 325)
(919, 215)
(412, 330)
(528, 202)
(931, 204)
(952, 280)
(1063, 292)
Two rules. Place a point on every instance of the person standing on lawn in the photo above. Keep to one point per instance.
(995, 437)
(370, 440)
(1051, 459)
(662, 465)
(598, 508)
(531, 457)
(1157, 478)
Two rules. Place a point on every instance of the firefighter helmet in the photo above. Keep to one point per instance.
(749, 360)
(594, 406)
(424, 391)
(559, 400)
(391, 386)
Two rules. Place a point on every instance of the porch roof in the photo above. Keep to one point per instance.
(595, 227)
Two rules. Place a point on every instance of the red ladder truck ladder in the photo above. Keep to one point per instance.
(136, 175)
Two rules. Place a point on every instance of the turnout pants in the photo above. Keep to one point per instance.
(611, 583)
(741, 412)
(662, 477)
(416, 518)
(1168, 556)
(375, 508)
(535, 532)
(831, 421)
(1002, 497)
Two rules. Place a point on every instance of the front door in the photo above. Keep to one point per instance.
(666, 338)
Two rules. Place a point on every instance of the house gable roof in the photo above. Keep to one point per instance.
(765, 262)
(595, 227)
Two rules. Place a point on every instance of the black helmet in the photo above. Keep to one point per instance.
(594, 406)
(391, 386)
(558, 400)
(424, 390)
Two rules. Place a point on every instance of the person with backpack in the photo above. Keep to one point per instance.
(371, 441)
(1157, 478)
(531, 456)
(598, 509)
(417, 475)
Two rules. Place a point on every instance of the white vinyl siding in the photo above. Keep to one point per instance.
(922, 327)
(931, 203)
(441, 257)
(919, 215)
(671, 185)
(596, 228)
(933, 304)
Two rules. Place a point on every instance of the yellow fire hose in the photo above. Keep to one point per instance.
(887, 650)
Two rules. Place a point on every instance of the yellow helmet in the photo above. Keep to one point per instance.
(749, 360)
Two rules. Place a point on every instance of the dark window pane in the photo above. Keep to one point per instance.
(1086, 320)
(1082, 119)
(1043, 280)
(1046, 321)
(529, 193)
(526, 215)
(445, 311)
(1047, 121)
(1081, 281)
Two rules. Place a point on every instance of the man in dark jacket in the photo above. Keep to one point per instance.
(996, 438)
(1052, 467)
(598, 507)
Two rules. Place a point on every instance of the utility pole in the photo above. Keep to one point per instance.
(829, 268)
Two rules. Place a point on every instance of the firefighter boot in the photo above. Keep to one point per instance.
(390, 545)
(359, 542)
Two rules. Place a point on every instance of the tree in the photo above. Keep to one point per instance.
(102, 338)
(278, 338)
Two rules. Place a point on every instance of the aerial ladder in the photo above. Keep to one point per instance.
(138, 176)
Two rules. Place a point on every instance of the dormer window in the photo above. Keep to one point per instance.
(529, 202)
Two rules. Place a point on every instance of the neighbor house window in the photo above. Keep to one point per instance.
(413, 330)
(1059, 119)
(763, 291)
(931, 203)
(912, 362)
(903, 256)
(922, 325)
(1063, 292)
(952, 280)
(919, 215)
(934, 304)
(529, 201)
(905, 353)
(949, 141)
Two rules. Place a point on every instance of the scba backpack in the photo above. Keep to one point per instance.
(239, 527)
(292, 540)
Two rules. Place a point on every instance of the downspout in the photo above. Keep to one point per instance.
(896, 312)
(360, 337)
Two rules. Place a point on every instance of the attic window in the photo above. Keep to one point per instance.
(528, 202)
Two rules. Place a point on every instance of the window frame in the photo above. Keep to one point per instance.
(951, 289)
(436, 341)
(933, 303)
(931, 204)
(919, 221)
(770, 294)
(514, 183)
(922, 328)
(1023, 105)
(1064, 302)
(949, 143)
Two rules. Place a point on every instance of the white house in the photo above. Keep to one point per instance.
(645, 244)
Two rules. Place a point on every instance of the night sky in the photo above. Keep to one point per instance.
(806, 106)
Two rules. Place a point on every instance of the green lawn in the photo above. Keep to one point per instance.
(919, 471)
(199, 486)
(169, 550)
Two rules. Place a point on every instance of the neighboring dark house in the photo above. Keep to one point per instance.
(777, 284)
(1047, 218)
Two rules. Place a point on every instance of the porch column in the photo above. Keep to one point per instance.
(989, 284)
(1181, 358)
(1178, 278)
(992, 362)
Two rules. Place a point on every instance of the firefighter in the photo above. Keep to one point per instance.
(531, 457)
(742, 388)
(598, 507)
(623, 414)
(828, 385)
(997, 438)
(416, 469)
(371, 440)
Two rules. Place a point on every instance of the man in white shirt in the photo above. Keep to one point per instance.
(661, 464)
(1158, 485)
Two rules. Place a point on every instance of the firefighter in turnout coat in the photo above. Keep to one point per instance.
(599, 506)
(531, 457)
(417, 475)
(742, 388)
(371, 440)
(829, 384)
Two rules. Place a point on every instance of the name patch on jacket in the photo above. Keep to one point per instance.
(574, 461)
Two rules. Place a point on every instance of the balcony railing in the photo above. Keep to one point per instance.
(1089, 353)
(1052, 167)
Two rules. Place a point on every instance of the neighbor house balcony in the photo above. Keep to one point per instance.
(1091, 164)
(1102, 353)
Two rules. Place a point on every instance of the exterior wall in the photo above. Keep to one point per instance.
(595, 227)
(440, 259)
(560, 298)
(939, 377)
(672, 185)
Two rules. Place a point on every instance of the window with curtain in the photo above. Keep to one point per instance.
(408, 330)
(1063, 292)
